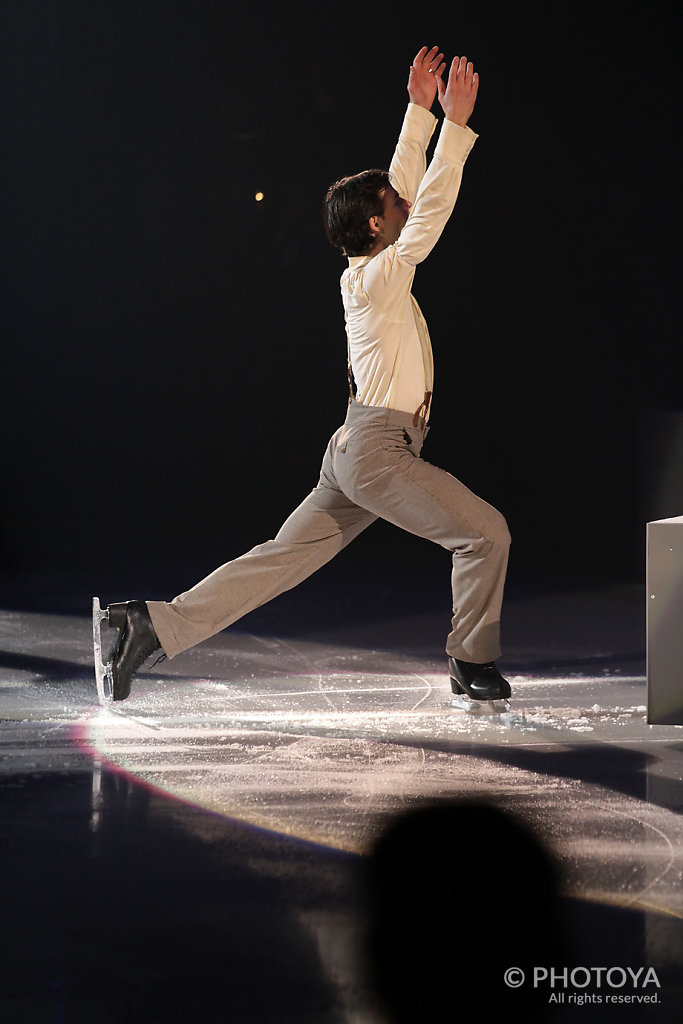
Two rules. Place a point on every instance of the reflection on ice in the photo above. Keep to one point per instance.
(329, 757)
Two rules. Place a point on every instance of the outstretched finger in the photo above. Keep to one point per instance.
(453, 70)
(419, 57)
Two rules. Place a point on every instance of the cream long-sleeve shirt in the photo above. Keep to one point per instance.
(389, 345)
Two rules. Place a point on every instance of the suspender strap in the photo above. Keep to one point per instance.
(349, 373)
(425, 406)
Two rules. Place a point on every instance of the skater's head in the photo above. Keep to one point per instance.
(364, 213)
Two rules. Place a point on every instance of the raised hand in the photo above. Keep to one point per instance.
(459, 96)
(425, 72)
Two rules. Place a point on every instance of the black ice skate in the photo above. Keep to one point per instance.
(478, 688)
(136, 641)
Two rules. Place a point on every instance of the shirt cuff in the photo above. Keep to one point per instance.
(455, 142)
(418, 124)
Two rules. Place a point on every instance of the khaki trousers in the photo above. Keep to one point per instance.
(371, 470)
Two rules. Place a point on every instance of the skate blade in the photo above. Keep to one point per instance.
(102, 671)
(462, 702)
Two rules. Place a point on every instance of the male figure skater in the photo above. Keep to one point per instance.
(386, 223)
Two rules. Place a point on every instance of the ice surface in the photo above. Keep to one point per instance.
(324, 738)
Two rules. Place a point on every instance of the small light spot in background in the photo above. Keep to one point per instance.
(258, 197)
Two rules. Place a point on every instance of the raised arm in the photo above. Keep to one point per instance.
(409, 162)
(439, 186)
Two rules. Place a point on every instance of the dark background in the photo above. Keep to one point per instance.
(173, 351)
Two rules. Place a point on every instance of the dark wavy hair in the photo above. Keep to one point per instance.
(349, 205)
